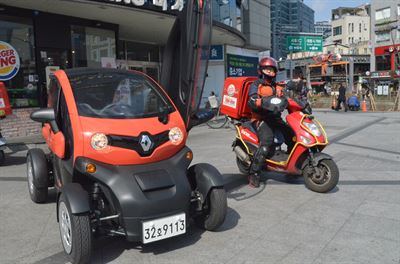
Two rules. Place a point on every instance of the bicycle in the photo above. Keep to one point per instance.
(219, 120)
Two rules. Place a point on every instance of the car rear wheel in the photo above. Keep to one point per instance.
(37, 175)
(214, 210)
(75, 232)
(2, 157)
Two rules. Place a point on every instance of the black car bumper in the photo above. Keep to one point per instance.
(144, 192)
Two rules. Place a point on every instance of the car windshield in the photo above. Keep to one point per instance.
(120, 95)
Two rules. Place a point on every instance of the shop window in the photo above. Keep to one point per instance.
(22, 88)
(382, 36)
(381, 15)
(383, 63)
(141, 51)
(90, 44)
(337, 30)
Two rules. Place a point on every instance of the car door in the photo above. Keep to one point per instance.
(185, 58)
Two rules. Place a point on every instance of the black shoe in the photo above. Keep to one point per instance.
(254, 180)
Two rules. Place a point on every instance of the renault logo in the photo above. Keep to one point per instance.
(145, 142)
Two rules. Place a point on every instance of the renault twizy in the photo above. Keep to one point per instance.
(118, 158)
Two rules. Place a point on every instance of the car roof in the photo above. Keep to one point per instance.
(80, 71)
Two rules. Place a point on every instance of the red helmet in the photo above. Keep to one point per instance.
(267, 62)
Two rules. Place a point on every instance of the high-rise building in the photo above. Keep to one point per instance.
(323, 28)
(288, 17)
(257, 24)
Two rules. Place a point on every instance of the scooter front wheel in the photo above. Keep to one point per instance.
(322, 178)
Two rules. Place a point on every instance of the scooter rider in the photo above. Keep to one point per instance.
(265, 121)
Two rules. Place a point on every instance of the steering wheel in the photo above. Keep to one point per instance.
(119, 106)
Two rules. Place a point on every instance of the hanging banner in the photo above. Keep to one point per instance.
(9, 61)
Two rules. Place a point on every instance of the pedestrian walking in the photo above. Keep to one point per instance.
(342, 98)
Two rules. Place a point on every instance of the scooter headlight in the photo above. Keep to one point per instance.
(175, 135)
(305, 140)
(313, 128)
(99, 141)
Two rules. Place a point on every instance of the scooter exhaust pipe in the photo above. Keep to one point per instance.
(241, 154)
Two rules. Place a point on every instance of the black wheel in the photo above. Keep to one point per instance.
(324, 178)
(242, 166)
(218, 121)
(214, 210)
(75, 232)
(38, 177)
(2, 157)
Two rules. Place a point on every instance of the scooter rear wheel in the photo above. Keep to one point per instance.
(243, 167)
(325, 180)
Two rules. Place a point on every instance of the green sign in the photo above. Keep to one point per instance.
(304, 43)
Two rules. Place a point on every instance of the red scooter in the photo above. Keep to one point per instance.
(320, 172)
(309, 138)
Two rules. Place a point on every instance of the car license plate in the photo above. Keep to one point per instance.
(158, 229)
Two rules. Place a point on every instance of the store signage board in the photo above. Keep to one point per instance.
(165, 4)
(304, 43)
(9, 61)
(217, 53)
(238, 65)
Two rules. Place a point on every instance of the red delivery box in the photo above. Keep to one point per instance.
(5, 107)
(235, 97)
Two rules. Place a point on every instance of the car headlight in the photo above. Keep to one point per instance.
(175, 135)
(99, 141)
(313, 128)
(305, 140)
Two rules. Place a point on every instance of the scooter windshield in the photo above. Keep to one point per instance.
(118, 95)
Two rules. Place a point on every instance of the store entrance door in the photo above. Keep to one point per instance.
(50, 60)
(152, 69)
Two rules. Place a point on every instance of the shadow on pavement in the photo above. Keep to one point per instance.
(13, 160)
(108, 249)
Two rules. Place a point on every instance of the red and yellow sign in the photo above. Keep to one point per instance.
(9, 61)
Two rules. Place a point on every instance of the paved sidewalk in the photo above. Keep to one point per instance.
(281, 222)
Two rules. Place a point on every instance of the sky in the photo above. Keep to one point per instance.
(323, 8)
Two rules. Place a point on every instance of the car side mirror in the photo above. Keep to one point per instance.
(46, 115)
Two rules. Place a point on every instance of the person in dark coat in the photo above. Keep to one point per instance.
(342, 98)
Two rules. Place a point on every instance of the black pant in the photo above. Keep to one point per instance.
(265, 133)
(339, 101)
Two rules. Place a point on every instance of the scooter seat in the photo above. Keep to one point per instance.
(250, 125)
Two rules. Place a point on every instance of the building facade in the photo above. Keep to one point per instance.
(323, 28)
(385, 42)
(87, 33)
(351, 25)
(288, 17)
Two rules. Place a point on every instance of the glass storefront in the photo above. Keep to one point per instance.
(90, 45)
(22, 88)
(383, 62)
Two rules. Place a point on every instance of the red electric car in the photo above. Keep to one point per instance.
(118, 156)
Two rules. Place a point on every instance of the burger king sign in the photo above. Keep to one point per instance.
(9, 61)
